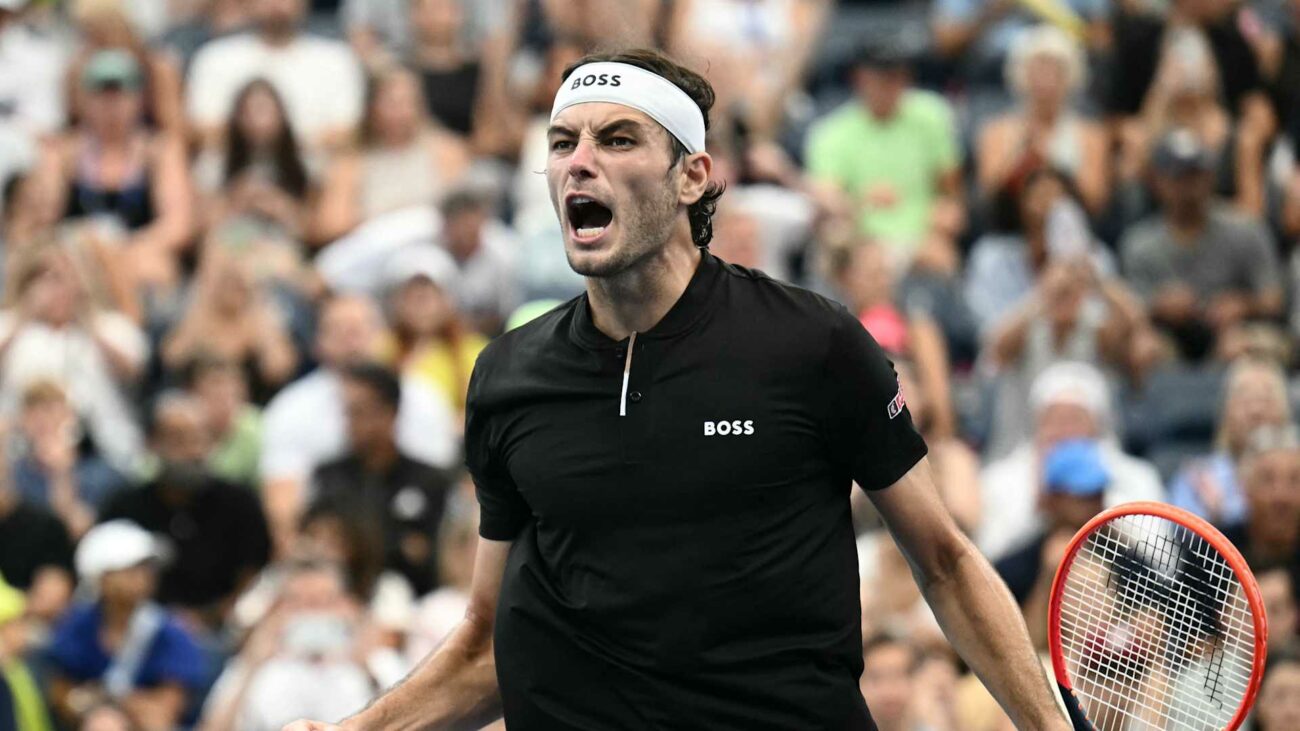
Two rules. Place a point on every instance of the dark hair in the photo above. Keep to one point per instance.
(290, 172)
(205, 363)
(883, 639)
(461, 200)
(376, 81)
(1007, 200)
(700, 213)
(363, 537)
(381, 381)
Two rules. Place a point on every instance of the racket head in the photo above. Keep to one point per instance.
(1063, 629)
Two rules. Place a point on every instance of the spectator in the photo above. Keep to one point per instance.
(379, 484)
(1185, 94)
(222, 388)
(1027, 236)
(31, 67)
(319, 80)
(1199, 268)
(122, 647)
(28, 213)
(1144, 41)
(862, 273)
(1075, 478)
(1277, 587)
(1254, 396)
(430, 339)
(25, 707)
(1046, 69)
(1278, 705)
(306, 658)
(1270, 476)
(106, 25)
(305, 424)
(1069, 401)
(405, 160)
(129, 182)
(50, 470)
(258, 178)
(905, 690)
(206, 21)
(233, 316)
(450, 73)
(760, 63)
(484, 251)
(1073, 315)
(892, 154)
(55, 307)
(35, 551)
(440, 611)
(976, 36)
(197, 515)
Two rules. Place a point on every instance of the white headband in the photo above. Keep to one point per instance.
(644, 91)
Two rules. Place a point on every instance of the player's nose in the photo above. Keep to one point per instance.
(582, 161)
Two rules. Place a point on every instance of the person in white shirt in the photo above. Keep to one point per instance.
(304, 425)
(56, 330)
(320, 80)
(1070, 400)
(485, 251)
(31, 75)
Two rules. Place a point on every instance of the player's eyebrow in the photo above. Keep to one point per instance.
(625, 124)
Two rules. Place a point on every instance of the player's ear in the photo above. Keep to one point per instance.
(696, 170)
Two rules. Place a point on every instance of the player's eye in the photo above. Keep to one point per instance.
(561, 145)
(620, 142)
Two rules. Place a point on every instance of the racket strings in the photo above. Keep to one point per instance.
(1155, 628)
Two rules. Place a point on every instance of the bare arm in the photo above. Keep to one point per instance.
(971, 603)
(337, 209)
(173, 224)
(156, 709)
(456, 686)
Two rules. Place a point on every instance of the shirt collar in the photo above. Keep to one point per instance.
(684, 313)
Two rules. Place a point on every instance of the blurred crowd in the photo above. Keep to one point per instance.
(250, 250)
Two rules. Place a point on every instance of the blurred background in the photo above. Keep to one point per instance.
(252, 248)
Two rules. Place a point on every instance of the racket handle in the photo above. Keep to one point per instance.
(1075, 711)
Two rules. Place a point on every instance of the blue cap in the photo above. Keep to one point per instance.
(1075, 467)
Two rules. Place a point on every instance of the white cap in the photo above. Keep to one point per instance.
(1075, 383)
(113, 546)
(420, 260)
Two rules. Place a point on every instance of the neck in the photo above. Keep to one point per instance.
(117, 616)
(438, 53)
(379, 457)
(1188, 225)
(1042, 113)
(277, 38)
(637, 298)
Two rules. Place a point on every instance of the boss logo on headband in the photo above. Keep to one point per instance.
(598, 80)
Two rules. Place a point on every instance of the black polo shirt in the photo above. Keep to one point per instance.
(690, 565)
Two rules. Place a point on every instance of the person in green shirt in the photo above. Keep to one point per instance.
(221, 386)
(893, 155)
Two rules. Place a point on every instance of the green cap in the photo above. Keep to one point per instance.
(113, 68)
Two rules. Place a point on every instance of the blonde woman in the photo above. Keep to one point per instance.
(1046, 70)
(1254, 396)
(404, 158)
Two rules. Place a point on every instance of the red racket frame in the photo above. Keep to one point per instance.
(1210, 535)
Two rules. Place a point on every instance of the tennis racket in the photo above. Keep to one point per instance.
(1156, 624)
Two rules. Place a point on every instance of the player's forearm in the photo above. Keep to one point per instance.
(984, 624)
(454, 688)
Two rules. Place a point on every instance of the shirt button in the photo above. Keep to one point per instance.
(620, 354)
(634, 397)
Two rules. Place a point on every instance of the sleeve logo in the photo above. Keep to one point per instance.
(896, 406)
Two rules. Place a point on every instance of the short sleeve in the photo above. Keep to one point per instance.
(822, 154)
(868, 426)
(503, 511)
(1263, 266)
(174, 658)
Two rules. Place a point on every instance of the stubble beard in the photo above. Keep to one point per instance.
(645, 231)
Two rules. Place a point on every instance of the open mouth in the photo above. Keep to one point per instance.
(588, 217)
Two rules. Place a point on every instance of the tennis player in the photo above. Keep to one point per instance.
(664, 467)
